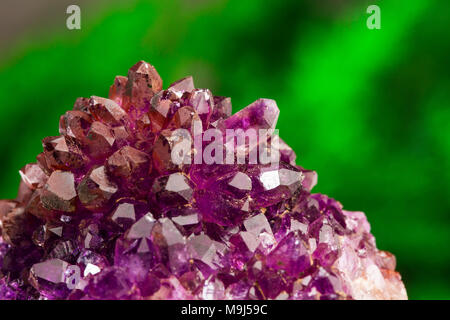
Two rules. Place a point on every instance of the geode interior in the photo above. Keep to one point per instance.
(105, 214)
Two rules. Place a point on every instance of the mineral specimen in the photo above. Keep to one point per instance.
(106, 213)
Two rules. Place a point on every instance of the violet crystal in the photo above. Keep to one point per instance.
(106, 214)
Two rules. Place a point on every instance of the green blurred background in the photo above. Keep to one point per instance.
(367, 109)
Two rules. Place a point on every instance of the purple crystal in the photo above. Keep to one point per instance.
(261, 114)
(181, 86)
(106, 213)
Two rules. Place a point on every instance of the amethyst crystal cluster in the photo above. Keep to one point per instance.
(106, 214)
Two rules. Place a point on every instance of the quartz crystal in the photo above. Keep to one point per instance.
(105, 214)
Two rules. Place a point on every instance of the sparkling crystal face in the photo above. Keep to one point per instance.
(105, 213)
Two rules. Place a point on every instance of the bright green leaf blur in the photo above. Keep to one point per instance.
(367, 109)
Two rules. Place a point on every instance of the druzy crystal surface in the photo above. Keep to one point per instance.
(105, 213)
